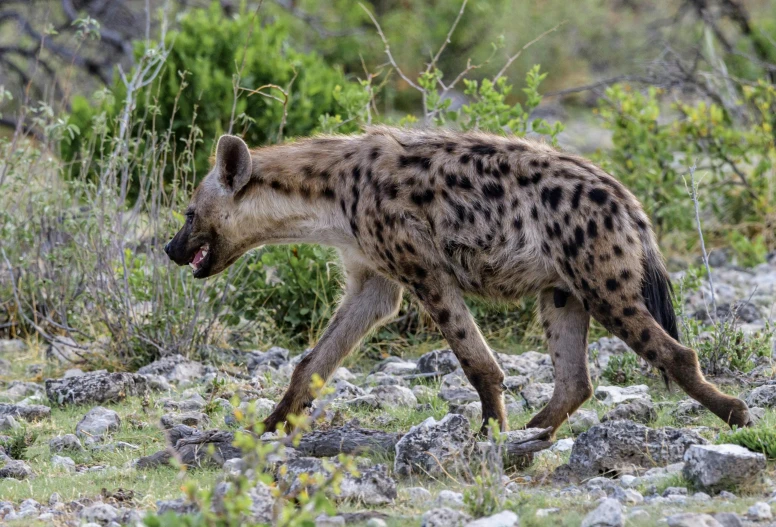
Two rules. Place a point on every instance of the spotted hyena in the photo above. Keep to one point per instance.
(443, 215)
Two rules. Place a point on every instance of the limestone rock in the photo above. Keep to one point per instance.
(431, 443)
(716, 467)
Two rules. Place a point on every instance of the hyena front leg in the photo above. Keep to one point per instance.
(446, 306)
(369, 300)
(566, 325)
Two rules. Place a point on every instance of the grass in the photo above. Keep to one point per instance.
(140, 427)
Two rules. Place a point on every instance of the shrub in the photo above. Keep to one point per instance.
(757, 438)
(209, 54)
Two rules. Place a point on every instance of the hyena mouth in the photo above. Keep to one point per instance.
(200, 258)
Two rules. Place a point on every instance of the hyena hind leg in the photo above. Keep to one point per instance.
(566, 324)
(679, 363)
(369, 301)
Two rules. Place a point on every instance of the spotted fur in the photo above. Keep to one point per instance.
(442, 215)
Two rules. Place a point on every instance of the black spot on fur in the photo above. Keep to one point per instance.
(645, 335)
(536, 178)
(443, 317)
(518, 223)
(465, 183)
(617, 250)
(461, 334)
(493, 190)
(374, 154)
(625, 274)
(598, 195)
(577, 196)
(553, 196)
(523, 181)
(609, 223)
(559, 297)
(356, 173)
(417, 161)
(482, 149)
(451, 180)
(651, 355)
(592, 229)
(464, 159)
(612, 284)
(629, 311)
(421, 198)
(534, 212)
(579, 236)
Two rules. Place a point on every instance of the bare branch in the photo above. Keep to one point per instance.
(520, 52)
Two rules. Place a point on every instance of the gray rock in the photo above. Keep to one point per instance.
(372, 487)
(347, 439)
(448, 498)
(100, 513)
(176, 369)
(431, 444)
(64, 462)
(501, 519)
(516, 383)
(764, 396)
(14, 469)
(30, 413)
(343, 390)
(262, 502)
(687, 410)
(582, 420)
(65, 443)
(716, 467)
(444, 517)
(207, 448)
(618, 447)
(97, 423)
(638, 410)
(612, 395)
(728, 519)
(603, 349)
(440, 362)
(178, 506)
(455, 389)
(417, 496)
(8, 423)
(537, 366)
(692, 519)
(195, 419)
(18, 390)
(12, 347)
(607, 514)
(275, 357)
(95, 388)
(760, 511)
(537, 395)
(394, 396)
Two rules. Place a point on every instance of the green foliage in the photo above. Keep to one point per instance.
(757, 438)
(297, 285)
(196, 87)
(20, 440)
(749, 251)
(652, 151)
(622, 369)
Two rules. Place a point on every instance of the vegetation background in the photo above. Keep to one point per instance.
(110, 111)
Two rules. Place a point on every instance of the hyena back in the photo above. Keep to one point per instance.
(443, 215)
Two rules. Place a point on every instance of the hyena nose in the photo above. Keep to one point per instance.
(167, 248)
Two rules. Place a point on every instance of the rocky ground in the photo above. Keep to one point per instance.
(92, 447)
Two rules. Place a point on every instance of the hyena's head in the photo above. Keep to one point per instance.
(212, 237)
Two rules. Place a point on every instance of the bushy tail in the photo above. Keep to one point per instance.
(657, 290)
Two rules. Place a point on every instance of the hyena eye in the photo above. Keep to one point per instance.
(189, 216)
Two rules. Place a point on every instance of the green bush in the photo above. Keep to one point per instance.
(758, 439)
(196, 86)
(653, 152)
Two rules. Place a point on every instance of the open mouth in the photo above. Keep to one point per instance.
(199, 260)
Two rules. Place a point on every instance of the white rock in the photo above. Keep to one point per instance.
(449, 498)
(692, 519)
(607, 514)
(502, 519)
(64, 462)
(444, 517)
(417, 496)
(612, 395)
(760, 511)
(714, 467)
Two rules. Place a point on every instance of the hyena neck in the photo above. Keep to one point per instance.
(293, 192)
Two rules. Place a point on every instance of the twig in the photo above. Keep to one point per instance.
(520, 51)
(388, 50)
(694, 194)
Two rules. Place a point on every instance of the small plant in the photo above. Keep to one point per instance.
(622, 369)
(21, 440)
(486, 495)
(757, 439)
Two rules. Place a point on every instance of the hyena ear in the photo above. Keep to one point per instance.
(233, 162)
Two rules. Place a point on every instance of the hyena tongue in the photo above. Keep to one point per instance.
(201, 253)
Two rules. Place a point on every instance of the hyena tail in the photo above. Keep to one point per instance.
(657, 290)
(658, 293)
